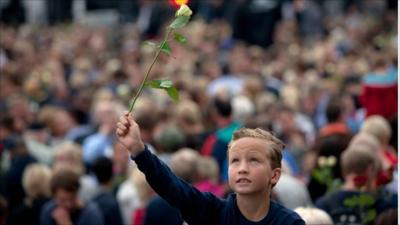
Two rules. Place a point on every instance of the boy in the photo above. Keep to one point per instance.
(357, 201)
(254, 168)
(66, 208)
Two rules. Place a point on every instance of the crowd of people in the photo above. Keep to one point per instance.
(326, 85)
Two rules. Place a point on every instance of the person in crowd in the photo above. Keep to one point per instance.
(356, 197)
(380, 128)
(379, 87)
(183, 164)
(332, 140)
(36, 183)
(133, 197)
(100, 143)
(216, 144)
(208, 179)
(36, 138)
(20, 159)
(66, 207)
(250, 162)
(68, 155)
(188, 118)
(103, 170)
(292, 197)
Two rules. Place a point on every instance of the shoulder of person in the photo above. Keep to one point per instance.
(280, 210)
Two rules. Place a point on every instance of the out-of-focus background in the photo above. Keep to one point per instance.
(321, 75)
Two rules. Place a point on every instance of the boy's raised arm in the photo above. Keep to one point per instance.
(194, 205)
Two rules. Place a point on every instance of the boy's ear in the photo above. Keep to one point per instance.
(276, 174)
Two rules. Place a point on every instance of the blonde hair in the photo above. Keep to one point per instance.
(358, 159)
(36, 181)
(208, 169)
(314, 216)
(365, 140)
(68, 156)
(379, 127)
(143, 188)
(275, 144)
(188, 112)
(184, 164)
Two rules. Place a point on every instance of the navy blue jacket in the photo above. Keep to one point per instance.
(204, 208)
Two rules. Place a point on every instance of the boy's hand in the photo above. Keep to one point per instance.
(129, 135)
(61, 216)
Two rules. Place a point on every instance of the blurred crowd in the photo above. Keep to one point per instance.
(321, 75)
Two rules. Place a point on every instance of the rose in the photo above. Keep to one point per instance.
(182, 18)
(184, 10)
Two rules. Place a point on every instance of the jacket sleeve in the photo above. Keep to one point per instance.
(194, 205)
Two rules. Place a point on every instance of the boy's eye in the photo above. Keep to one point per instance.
(234, 160)
(254, 160)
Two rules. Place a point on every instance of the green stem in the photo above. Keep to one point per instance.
(148, 70)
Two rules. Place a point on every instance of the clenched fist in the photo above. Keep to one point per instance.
(128, 134)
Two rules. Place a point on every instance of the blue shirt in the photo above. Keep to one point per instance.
(89, 214)
(204, 208)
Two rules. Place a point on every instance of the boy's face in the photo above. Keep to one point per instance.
(66, 199)
(250, 168)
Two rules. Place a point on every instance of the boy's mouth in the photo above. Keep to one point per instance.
(243, 180)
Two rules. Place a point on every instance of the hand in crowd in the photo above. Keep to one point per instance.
(129, 135)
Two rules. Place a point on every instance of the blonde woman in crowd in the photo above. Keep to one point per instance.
(36, 183)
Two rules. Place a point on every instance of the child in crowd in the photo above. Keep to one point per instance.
(254, 157)
(66, 207)
(357, 197)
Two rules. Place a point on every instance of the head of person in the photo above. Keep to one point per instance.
(254, 157)
(333, 111)
(64, 186)
(208, 169)
(365, 140)
(379, 127)
(314, 216)
(102, 168)
(221, 109)
(361, 165)
(68, 155)
(36, 181)
(188, 116)
(184, 164)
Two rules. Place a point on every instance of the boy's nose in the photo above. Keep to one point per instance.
(243, 168)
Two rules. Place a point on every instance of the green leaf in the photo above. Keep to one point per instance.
(173, 93)
(180, 38)
(153, 83)
(159, 84)
(366, 200)
(318, 176)
(150, 43)
(371, 215)
(166, 84)
(179, 22)
(351, 202)
(165, 48)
